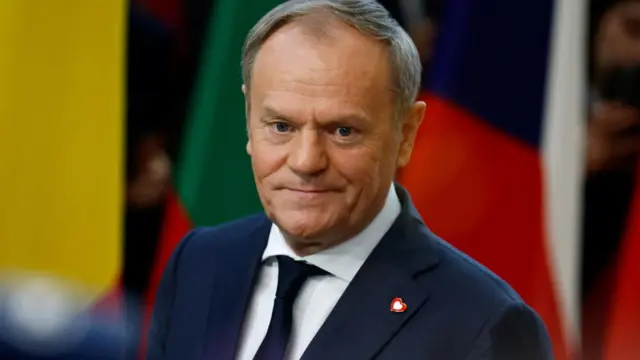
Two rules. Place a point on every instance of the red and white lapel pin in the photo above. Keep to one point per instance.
(398, 306)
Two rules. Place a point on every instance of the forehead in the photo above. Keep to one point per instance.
(629, 8)
(341, 68)
(626, 10)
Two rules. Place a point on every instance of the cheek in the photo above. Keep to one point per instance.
(607, 42)
(266, 159)
(361, 167)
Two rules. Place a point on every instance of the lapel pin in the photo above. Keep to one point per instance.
(398, 306)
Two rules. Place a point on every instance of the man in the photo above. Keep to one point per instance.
(613, 144)
(340, 266)
(151, 108)
(614, 136)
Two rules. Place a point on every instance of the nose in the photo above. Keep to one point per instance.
(308, 156)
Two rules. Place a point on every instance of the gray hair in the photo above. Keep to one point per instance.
(368, 17)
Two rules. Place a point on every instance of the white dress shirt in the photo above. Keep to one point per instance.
(319, 294)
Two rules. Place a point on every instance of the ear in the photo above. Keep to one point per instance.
(246, 114)
(246, 101)
(410, 128)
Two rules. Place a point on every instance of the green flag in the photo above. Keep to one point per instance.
(214, 182)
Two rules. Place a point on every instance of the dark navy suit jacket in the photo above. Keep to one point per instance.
(456, 308)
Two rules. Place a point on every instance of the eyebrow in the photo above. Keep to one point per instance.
(270, 113)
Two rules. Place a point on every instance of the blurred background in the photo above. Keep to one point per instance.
(122, 127)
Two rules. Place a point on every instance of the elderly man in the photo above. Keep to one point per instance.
(340, 266)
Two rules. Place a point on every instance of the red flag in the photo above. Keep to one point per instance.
(176, 225)
(481, 175)
(458, 184)
(622, 340)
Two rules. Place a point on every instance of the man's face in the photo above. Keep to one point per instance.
(618, 37)
(323, 142)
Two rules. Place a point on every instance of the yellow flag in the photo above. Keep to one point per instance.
(61, 138)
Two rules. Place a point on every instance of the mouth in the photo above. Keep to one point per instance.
(309, 191)
(309, 196)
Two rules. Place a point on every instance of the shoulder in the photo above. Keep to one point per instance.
(492, 312)
(207, 238)
(486, 314)
(468, 275)
(465, 289)
(204, 250)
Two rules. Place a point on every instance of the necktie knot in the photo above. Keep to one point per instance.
(292, 275)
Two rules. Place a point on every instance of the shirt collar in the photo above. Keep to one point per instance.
(345, 259)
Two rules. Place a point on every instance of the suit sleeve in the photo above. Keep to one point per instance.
(516, 332)
(163, 306)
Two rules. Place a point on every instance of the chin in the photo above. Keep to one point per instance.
(304, 224)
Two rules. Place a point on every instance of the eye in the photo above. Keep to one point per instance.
(281, 127)
(344, 131)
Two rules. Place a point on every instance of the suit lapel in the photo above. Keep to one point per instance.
(237, 265)
(362, 323)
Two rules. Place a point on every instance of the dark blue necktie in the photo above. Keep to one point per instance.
(291, 276)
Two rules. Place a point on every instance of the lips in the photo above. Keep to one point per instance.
(309, 191)
(308, 196)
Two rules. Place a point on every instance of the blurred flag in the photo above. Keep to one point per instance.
(497, 166)
(623, 327)
(213, 182)
(43, 318)
(61, 141)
